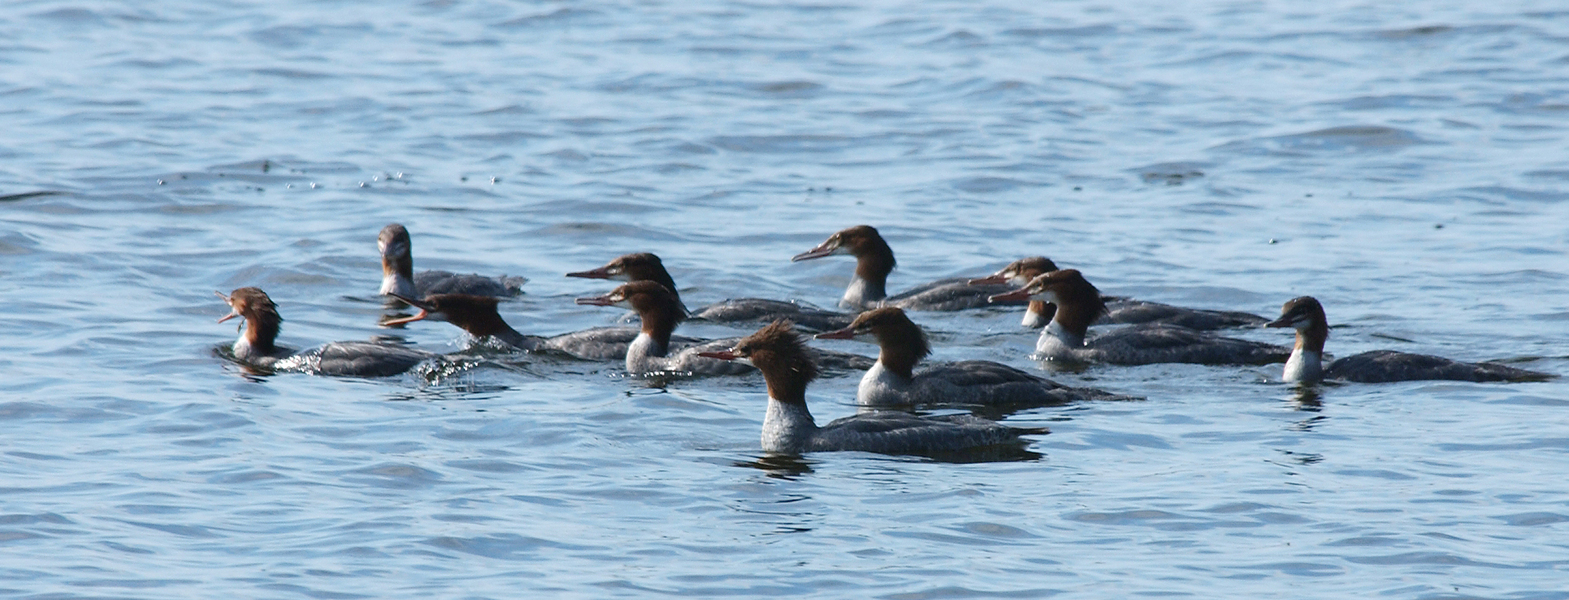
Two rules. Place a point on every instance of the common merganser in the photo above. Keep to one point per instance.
(398, 276)
(256, 346)
(1019, 273)
(478, 316)
(644, 266)
(874, 261)
(902, 344)
(658, 310)
(1079, 304)
(788, 427)
(1306, 315)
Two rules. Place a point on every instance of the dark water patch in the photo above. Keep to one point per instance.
(990, 185)
(33, 519)
(1348, 138)
(1219, 208)
(1172, 173)
(789, 89)
(1378, 473)
(510, 110)
(185, 531)
(504, 546)
(561, 17)
(956, 39)
(1085, 31)
(1533, 519)
(1424, 558)
(1424, 31)
(296, 37)
(17, 197)
(489, 466)
(296, 74)
(784, 144)
(1366, 541)
(1509, 195)
(1254, 60)
(1300, 569)
(248, 476)
(398, 476)
(1398, 102)
(948, 591)
(1558, 174)
(1532, 444)
(72, 16)
(502, 138)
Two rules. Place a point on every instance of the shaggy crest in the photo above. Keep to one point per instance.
(779, 352)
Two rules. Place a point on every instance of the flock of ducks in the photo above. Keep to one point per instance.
(1060, 302)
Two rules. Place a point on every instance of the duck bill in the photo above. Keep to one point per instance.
(1281, 322)
(842, 334)
(232, 311)
(600, 273)
(822, 250)
(596, 301)
(1013, 296)
(420, 316)
(411, 302)
(990, 280)
(721, 355)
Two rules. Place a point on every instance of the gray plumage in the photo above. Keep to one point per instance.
(788, 427)
(1381, 366)
(1150, 344)
(758, 310)
(443, 282)
(1126, 311)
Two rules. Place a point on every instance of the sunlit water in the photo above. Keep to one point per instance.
(1407, 165)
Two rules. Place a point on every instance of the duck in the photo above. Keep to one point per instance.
(902, 344)
(646, 266)
(478, 315)
(1306, 315)
(1079, 304)
(659, 311)
(398, 276)
(257, 347)
(1118, 310)
(652, 352)
(874, 261)
(788, 427)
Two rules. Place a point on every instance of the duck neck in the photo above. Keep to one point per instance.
(898, 351)
(788, 425)
(870, 284)
(658, 326)
(882, 387)
(1038, 314)
(1306, 362)
(490, 324)
(397, 275)
(662, 277)
(259, 337)
(1057, 342)
(394, 283)
(1073, 318)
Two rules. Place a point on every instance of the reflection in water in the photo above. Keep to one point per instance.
(988, 454)
(1308, 397)
(1303, 458)
(394, 313)
(778, 466)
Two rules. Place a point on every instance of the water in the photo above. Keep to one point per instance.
(1406, 165)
